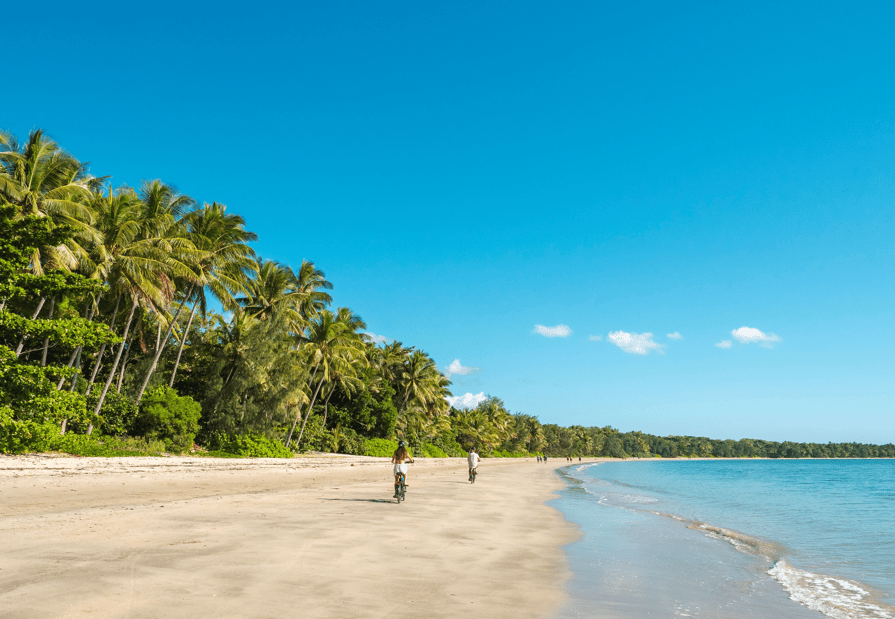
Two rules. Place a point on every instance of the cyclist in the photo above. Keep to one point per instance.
(473, 459)
(400, 459)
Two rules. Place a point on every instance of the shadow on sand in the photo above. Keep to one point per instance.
(363, 500)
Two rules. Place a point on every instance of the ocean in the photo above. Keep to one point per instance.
(745, 539)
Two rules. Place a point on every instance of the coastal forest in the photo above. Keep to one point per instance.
(140, 321)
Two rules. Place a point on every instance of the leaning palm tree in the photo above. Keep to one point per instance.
(116, 225)
(225, 263)
(163, 225)
(329, 340)
(141, 255)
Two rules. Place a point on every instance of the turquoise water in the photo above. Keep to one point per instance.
(763, 539)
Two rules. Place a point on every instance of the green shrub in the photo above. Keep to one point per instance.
(97, 445)
(24, 436)
(380, 447)
(497, 453)
(347, 441)
(449, 445)
(433, 451)
(118, 415)
(315, 438)
(33, 437)
(171, 418)
(249, 445)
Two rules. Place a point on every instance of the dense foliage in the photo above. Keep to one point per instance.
(107, 345)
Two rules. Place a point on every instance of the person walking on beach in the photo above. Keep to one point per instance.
(400, 459)
(473, 459)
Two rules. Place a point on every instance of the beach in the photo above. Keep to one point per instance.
(316, 536)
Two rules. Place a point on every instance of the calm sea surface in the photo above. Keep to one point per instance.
(763, 539)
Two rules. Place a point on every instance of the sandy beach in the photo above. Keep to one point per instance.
(307, 537)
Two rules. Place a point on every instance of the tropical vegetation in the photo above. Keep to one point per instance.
(110, 343)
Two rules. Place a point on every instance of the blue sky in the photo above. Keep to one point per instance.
(464, 173)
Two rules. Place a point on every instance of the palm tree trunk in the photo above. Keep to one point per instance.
(158, 352)
(182, 342)
(127, 352)
(33, 317)
(102, 396)
(298, 414)
(102, 349)
(43, 357)
(308, 414)
(74, 377)
(217, 400)
(326, 405)
(76, 353)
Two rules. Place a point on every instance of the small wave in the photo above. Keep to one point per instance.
(834, 597)
(615, 498)
(742, 542)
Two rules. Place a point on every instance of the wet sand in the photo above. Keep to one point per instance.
(307, 537)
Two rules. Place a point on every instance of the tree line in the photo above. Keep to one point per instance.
(106, 333)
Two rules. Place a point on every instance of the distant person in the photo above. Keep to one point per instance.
(400, 459)
(539, 457)
(473, 460)
(579, 458)
(545, 458)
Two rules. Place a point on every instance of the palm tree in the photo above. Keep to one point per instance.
(329, 341)
(162, 208)
(44, 180)
(419, 379)
(278, 290)
(224, 264)
(139, 254)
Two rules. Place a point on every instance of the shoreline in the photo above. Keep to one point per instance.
(315, 536)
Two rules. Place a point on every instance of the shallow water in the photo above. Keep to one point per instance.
(742, 538)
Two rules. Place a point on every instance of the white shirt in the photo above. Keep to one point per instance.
(473, 458)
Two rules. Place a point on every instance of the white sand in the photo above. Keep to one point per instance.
(307, 537)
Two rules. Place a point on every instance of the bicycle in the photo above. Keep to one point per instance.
(400, 489)
(472, 476)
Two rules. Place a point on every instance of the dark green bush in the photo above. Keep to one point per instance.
(118, 415)
(168, 417)
(347, 441)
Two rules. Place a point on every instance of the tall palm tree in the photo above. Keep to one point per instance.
(225, 262)
(140, 254)
(162, 208)
(329, 341)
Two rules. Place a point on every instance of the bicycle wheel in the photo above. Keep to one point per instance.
(473, 475)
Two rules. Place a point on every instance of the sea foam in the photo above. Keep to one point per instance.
(834, 597)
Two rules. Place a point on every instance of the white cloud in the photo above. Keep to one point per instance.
(557, 331)
(749, 334)
(675, 336)
(467, 400)
(635, 343)
(377, 339)
(457, 368)
(725, 344)
(595, 338)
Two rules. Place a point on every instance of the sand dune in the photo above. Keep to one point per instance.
(308, 537)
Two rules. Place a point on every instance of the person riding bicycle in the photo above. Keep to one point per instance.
(473, 459)
(400, 459)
